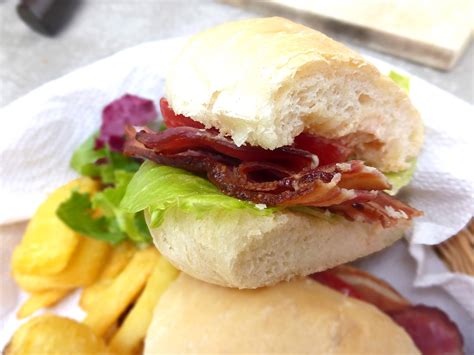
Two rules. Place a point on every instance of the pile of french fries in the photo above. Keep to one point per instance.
(120, 285)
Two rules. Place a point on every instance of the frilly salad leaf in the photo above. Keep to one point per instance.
(157, 188)
(100, 157)
(113, 225)
(100, 163)
(115, 171)
(400, 80)
(401, 178)
(77, 214)
(108, 202)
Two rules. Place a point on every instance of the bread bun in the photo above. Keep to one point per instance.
(264, 81)
(301, 317)
(239, 249)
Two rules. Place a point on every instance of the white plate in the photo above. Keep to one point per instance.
(41, 130)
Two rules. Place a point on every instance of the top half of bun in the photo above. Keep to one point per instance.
(298, 317)
(264, 81)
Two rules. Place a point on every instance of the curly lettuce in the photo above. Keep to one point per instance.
(99, 216)
(401, 178)
(400, 80)
(158, 188)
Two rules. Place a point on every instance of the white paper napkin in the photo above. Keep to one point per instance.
(40, 131)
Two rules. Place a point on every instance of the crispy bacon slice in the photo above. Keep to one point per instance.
(430, 328)
(329, 279)
(328, 150)
(383, 208)
(287, 176)
(317, 187)
(180, 139)
(370, 288)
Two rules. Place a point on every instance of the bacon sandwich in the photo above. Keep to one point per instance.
(279, 156)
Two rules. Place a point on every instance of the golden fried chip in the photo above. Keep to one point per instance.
(50, 334)
(48, 243)
(133, 330)
(118, 259)
(82, 270)
(40, 300)
(124, 289)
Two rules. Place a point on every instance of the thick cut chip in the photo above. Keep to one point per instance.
(82, 270)
(48, 243)
(122, 292)
(119, 258)
(41, 300)
(50, 334)
(133, 330)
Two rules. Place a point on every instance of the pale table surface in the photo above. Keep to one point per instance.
(102, 27)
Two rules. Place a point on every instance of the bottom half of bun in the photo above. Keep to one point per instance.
(300, 316)
(239, 249)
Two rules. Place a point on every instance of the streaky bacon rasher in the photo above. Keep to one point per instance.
(314, 172)
(429, 327)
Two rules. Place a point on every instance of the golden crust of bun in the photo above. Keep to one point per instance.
(301, 317)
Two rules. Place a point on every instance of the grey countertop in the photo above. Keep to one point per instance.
(101, 27)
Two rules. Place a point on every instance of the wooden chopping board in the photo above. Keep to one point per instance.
(431, 32)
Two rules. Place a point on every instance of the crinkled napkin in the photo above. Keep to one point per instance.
(41, 130)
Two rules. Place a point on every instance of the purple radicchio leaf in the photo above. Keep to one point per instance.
(126, 110)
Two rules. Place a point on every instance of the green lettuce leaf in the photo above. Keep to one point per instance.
(400, 80)
(77, 214)
(85, 158)
(108, 202)
(400, 179)
(157, 188)
(114, 224)
(115, 171)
